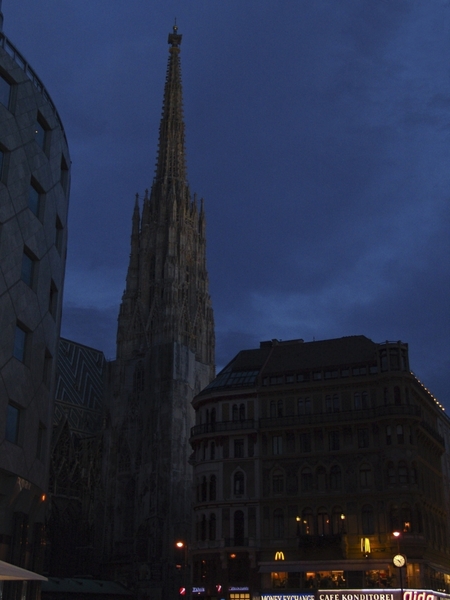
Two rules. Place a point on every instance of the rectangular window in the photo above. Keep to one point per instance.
(40, 449)
(34, 200)
(333, 440)
(12, 424)
(48, 360)
(64, 174)
(290, 442)
(59, 235)
(238, 448)
(53, 299)
(363, 438)
(277, 444)
(318, 439)
(20, 342)
(305, 441)
(27, 268)
(41, 130)
(5, 92)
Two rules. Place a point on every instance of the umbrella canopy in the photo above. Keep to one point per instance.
(13, 573)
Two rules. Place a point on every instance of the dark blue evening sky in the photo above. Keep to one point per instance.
(318, 134)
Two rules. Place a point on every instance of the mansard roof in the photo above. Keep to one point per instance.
(276, 357)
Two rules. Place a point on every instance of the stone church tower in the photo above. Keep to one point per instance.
(165, 355)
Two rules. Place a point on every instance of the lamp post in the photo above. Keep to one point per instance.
(399, 561)
(182, 546)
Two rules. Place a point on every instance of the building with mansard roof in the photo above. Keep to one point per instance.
(34, 196)
(165, 356)
(307, 457)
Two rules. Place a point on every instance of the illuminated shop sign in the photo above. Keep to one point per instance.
(372, 595)
(198, 590)
(356, 595)
(239, 588)
(287, 597)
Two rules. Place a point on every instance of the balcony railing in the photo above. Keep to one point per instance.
(340, 416)
(219, 426)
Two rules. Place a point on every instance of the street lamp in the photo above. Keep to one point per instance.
(182, 546)
(399, 561)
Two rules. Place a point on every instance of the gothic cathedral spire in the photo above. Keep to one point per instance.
(168, 297)
(165, 356)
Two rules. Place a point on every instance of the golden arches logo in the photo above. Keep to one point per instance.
(279, 555)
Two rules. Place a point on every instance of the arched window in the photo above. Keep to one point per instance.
(365, 476)
(204, 486)
(238, 483)
(239, 528)
(402, 473)
(367, 520)
(400, 435)
(337, 520)
(212, 450)
(323, 522)
(278, 524)
(235, 412)
(273, 408)
(203, 528)
(212, 487)
(397, 395)
(242, 412)
(335, 478)
(308, 522)
(213, 419)
(278, 482)
(212, 526)
(357, 401)
(306, 480)
(321, 475)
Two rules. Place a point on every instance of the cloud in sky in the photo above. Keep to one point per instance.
(318, 134)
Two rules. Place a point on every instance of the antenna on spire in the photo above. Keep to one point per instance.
(175, 37)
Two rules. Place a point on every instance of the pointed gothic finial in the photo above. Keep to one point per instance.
(137, 200)
(146, 195)
(171, 161)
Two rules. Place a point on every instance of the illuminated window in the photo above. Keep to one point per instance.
(323, 522)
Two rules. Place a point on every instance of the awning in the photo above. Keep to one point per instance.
(12, 573)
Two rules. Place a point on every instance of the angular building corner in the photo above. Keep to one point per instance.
(34, 197)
